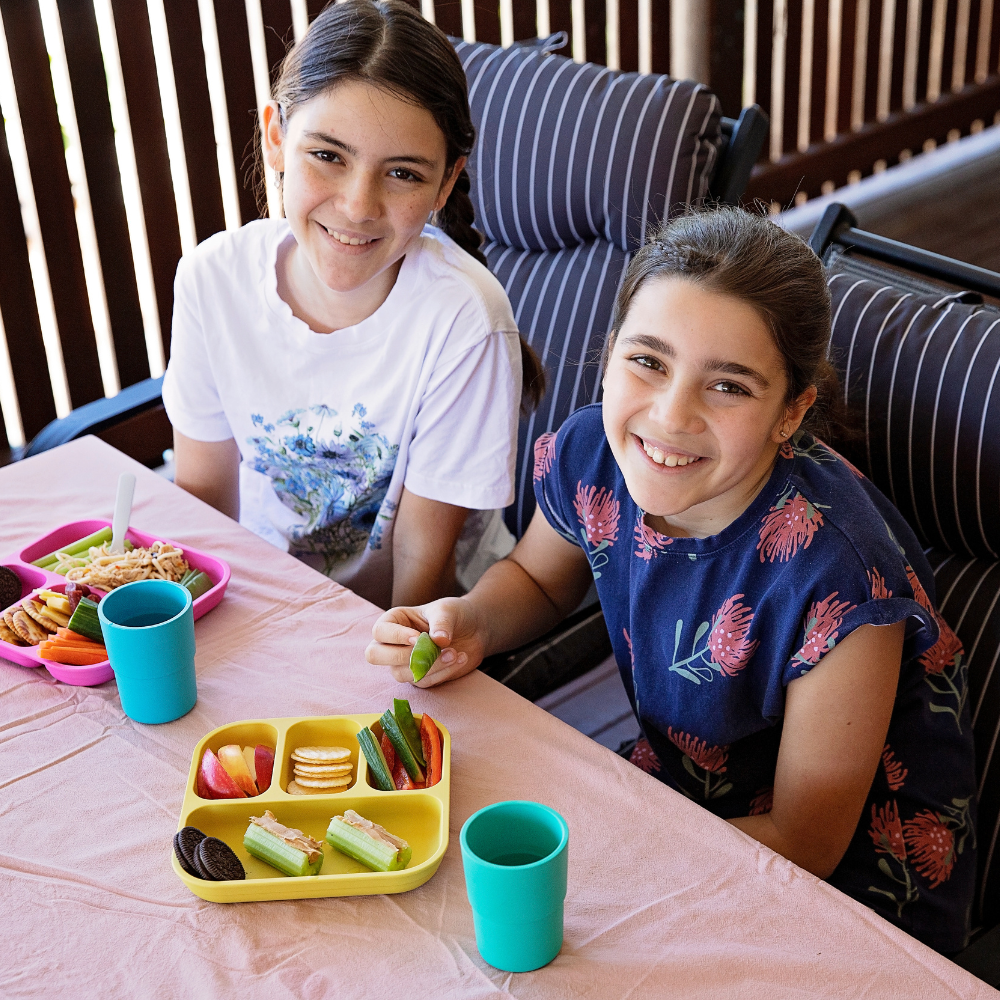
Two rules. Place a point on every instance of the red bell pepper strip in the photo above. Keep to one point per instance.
(389, 753)
(430, 737)
(401, 779)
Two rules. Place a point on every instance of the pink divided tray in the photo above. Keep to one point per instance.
(34, 579)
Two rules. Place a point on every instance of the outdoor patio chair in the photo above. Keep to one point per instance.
(919, 358)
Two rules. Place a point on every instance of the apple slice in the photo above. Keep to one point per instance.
(215, 779)
(263, 766)
(231, 758)
(248, 756)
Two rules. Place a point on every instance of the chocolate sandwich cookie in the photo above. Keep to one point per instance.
(186, 840)
(218, 861)
(10, 587)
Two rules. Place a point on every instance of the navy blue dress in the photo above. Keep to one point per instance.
(708, 633)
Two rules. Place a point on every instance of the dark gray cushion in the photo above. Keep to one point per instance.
(569, 152)
(921, 373)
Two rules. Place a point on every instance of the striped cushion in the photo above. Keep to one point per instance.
(968, 594)
(920, 371)
(568, 152)
(562, 303)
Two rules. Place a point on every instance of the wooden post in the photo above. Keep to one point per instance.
(690, 34)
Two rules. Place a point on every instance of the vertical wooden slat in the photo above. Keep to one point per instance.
(142, 93)
(983, 40)
(595, 19)
(487, 19)
(506, 23)
(660, 36)
(961, 50)
(806, 49)
(191, 81)
(912, 53)
(279, 33)
(427, 9)
(935, 64)
(578, 30)
(750, 15)
(19, 311)
(241, 100)
(628, 34)
(543, 23)
(887, 38)
(612, 34)
(859, 69)
(53, 197)
(88, 80)
(469, 20)
(835, 34)
(779, 52)
(645, 35)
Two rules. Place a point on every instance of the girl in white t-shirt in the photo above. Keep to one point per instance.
(346, 380)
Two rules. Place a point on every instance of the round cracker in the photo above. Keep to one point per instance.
(320, 769)
(9, 635)
(37, 611)
(317, 755)
(338, 782)
(294, 788)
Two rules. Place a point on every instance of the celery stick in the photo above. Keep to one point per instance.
(76, 548)
(357, 844)
(275, 852)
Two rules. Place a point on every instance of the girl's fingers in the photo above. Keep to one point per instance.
(389, 655)
(392, 634)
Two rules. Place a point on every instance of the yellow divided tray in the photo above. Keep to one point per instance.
(419, 816)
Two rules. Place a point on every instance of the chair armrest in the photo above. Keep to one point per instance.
(742, 141)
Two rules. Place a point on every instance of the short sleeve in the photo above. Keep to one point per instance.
(190, 394)
(849, 595)
(464, 443)
(547, 474)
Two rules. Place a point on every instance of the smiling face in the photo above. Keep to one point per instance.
(695, 405)
(363, 170)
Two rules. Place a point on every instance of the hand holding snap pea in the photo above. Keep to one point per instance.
(442, 640)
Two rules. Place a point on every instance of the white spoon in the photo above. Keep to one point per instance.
(123, 511)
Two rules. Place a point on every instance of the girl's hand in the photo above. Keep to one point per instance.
(453, 625)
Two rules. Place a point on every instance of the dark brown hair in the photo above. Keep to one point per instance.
(746, 256)
(387, 43)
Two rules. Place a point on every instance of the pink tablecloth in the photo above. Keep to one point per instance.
(664, 899)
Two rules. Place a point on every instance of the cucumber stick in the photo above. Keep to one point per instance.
(275, 852)
(357, 844)
(408, 727)
(196, 582)
(85, 622)
(378, 767)
(402, 748)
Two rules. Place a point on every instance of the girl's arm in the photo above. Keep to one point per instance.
(516, 600)
(423, 548)
(836, 720)
(210, 470)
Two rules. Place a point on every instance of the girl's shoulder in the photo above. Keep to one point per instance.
(455, 280)
(233, 254)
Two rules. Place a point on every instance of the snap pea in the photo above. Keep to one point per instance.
(422, 656)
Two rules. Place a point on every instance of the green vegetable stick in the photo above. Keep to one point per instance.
(425, 652)
(274, 851)
(408, 727)
(359, 845)
(75, 548)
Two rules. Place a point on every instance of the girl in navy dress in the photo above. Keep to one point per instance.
(771, 612)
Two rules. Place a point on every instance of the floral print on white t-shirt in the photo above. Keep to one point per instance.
(332, 472)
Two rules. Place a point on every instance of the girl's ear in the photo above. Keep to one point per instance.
(793, 416)
(444, 192)
(272, 136)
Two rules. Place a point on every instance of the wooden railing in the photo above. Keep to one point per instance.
(129, 135)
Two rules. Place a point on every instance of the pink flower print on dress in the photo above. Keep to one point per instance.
(598, 512)
(895, 773)
(887, 831)
(790, 523)
(762, 803)
(728, 642)
(945, 652)
(707, 758)
(821, 627)
(919, 594)
(879, 589)
(643, 756)
(651, 542)
(545, 453)
(932, 846)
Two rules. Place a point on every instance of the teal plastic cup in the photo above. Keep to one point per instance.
(515, 856)
(149, 634)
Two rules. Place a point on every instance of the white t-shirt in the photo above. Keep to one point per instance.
(424, 393)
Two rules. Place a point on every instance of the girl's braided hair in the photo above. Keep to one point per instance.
(738, 253)
(387, 43)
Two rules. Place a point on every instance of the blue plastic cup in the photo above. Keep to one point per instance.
(149, 634)
(515, 856)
